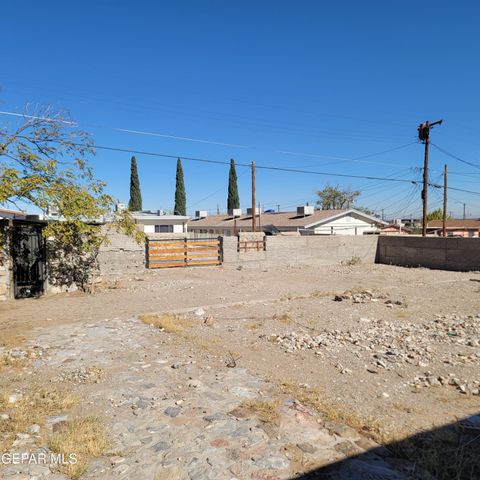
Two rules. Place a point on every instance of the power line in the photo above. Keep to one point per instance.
(263, 167)
(236, 145)
(456, 157)
(174, 137)
(354, 159)
(220, 143)
(178, 110)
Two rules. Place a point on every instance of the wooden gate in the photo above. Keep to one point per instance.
(252, 245)
(186, 252)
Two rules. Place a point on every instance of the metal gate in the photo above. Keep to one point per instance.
(28, 255)
(186, 252)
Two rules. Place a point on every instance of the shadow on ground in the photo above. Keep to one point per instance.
(451, 452)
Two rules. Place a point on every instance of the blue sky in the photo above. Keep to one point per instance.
(325, 81)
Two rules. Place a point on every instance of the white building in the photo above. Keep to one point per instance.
(349, 222)
(155, 222)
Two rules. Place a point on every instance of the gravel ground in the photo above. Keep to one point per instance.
(389, 351)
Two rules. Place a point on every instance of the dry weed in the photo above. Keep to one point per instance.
(352, 261)
(265, 410)
(31, 408)
(255, 326)
(84, 437)
(166, 322)
(282, 318)
(6, 361)
(335, 412)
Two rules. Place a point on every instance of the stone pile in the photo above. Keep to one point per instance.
(428, 379)
(19, 355)
(360, 296)
(80, 375)
(451, 340)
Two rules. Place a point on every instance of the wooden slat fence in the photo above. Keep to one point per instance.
(252, 245)
(184, 252)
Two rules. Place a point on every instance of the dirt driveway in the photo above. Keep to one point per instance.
(246, 373)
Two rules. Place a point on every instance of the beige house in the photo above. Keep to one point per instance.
(455, 228)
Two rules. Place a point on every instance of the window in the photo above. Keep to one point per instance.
(163, 228)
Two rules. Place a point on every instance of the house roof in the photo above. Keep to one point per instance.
(6, 213)
(149, 216)
(281, 219)
(394, 226)
(455, 223)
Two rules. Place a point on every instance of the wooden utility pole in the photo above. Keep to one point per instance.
(259, 217)
(424, 136)
(254, 226)
(464, 216)
(445, 173)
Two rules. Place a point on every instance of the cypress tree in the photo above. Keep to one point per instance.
(180, 196)
(233, 199)
(135, 203)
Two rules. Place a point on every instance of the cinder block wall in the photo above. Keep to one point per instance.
(121, 256)
(461, 254)
(311, 249)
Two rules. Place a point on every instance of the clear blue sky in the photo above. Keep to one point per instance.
(330, 81)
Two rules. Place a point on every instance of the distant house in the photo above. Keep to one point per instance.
(305, 221)
(153, 221)
(455, 227)
(6, 214)
(395, 229)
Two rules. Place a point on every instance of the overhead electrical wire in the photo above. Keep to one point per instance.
(271, 168)
(456, 157)
(238, 164)
(265, 167)
(359, 159)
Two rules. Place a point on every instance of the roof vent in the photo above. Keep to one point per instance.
(305, 210)
(257, 211)
(234, 212)
(201, 214)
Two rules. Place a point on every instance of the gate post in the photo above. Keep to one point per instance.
(220, 247)
(185, 251)
(147, 253)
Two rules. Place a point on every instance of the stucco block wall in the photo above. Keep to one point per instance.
(290, 251)
(462, 254)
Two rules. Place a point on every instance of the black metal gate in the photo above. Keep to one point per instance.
(28, 254)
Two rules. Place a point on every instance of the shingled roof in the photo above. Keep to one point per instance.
(455, 223)
(279, 220)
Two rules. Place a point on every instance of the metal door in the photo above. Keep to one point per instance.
(28, 254)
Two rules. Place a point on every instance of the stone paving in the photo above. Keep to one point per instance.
(171, 414)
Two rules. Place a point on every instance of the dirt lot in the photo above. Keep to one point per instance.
(385, 351)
